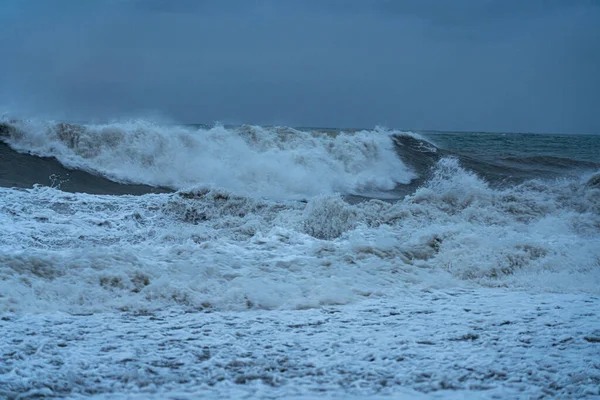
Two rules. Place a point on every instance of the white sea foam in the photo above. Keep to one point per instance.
(443, 344)
(278, 163)
(216, 249)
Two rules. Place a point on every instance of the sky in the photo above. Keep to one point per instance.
(462, 65)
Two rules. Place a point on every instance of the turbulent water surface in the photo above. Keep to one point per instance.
(130, 220)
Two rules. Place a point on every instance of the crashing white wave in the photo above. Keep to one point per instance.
(211, 248)
(277, 163)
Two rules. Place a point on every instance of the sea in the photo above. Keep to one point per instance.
(146, 260)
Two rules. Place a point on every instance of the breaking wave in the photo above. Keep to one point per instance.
(208, 248)
(277, 163)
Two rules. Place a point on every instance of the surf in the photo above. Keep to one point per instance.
(278, 162)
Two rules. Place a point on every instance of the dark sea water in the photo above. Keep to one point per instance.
(523, 146)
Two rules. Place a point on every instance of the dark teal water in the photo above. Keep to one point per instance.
(519, 145)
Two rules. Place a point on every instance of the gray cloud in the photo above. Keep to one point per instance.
(462, 65)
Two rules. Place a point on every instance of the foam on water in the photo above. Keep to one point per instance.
(277, 163)
(213, 248)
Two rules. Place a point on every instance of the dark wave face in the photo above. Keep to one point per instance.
(24, 171)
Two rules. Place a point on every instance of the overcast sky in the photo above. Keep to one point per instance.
(476, 65)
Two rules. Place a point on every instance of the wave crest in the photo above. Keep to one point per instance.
(251, 160)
